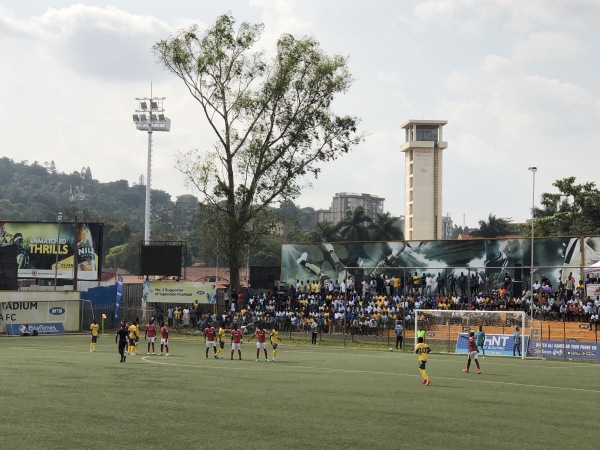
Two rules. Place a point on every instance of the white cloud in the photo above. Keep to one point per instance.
(435, 10)
(477, 16)
(497, 70)
(92, 41)
(388, 77)
(280, 17)
(10, 26)
(547, 46)
(463, 16)
(573, 14)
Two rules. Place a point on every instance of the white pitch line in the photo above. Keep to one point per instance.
(496, 360)
(51, 350)
(370, 372)
(366, 354)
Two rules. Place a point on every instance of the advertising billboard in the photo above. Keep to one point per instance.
(40, 245)
(570, 349)
(495, 344)
(180, 292)
(44, 312)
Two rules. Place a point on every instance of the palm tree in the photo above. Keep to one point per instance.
(494, 227)
(355, 226)
(385, 228)
(328, 232)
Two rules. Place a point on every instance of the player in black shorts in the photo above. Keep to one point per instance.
(121, 337)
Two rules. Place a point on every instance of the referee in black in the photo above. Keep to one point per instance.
(121, 337)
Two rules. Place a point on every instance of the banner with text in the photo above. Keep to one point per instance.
(495, 344)
(47, 312)
(180, 292)
(40, 328)
(570, 349)
(41, 245)
(593, 291)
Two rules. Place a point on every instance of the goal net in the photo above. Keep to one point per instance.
(448, 331)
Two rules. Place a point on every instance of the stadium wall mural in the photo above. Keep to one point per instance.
(554, 258)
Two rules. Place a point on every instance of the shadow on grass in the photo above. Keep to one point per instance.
(438, 385)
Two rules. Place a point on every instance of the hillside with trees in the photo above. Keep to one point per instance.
(36, 192)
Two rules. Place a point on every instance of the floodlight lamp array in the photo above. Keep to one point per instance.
(150, 114)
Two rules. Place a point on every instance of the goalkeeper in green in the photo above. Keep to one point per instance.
(480, 340)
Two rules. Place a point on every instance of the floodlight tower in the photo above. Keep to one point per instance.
(150, 116)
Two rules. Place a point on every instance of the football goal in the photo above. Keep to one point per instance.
(506, 332)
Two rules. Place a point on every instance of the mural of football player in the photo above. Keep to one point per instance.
(333, 260)
(575, 257)
(22, 251)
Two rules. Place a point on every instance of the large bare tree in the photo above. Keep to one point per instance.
(271, 115)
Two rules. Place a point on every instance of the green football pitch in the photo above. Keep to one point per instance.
(56, 394)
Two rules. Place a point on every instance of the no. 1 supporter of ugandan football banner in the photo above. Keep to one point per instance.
(180, 292)
(40, 245)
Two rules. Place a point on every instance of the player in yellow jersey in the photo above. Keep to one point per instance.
(137, 335)
(94, 329)
(132, 333)
(221, 334)
(422, 350)
(274, 335)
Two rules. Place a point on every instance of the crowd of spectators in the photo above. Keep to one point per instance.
(376, 305)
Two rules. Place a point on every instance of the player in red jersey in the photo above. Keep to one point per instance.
(472, 353)
(150, 335)
(210, 337)
(261, 334)
(236, 340)
(164, 338)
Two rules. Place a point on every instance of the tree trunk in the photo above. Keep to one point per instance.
(234, 274)
(233, 256)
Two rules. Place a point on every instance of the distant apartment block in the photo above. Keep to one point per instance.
(447, 227)
(346, 201)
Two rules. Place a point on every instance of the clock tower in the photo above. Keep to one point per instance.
(423, 179)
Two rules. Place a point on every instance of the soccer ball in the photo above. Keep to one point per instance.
(391, 349)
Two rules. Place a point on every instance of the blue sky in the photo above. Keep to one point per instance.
(516, 81)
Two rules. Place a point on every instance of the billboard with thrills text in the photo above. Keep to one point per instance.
(48, 250)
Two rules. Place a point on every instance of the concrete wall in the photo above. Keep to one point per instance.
(48, 312)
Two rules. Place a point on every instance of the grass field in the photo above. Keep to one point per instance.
(56, 394)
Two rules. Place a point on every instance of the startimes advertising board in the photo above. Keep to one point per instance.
(41, 245)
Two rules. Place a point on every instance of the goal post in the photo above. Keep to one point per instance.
(534, 348)
(447, 331)
(2, 320)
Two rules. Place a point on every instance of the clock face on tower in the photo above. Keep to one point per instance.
(427, 134)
